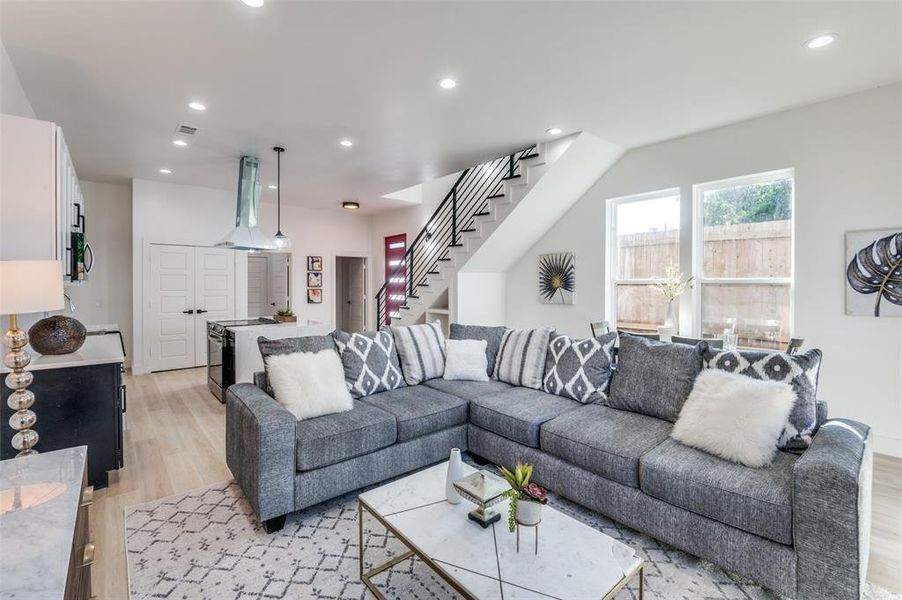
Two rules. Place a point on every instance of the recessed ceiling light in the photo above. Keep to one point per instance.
(347, 204)
(346, 143)
(273, 187)
(447, 83)
(821, 41)
(197, 106)
(253, 3)
(165, 171)
(553, 130)
(180, 142)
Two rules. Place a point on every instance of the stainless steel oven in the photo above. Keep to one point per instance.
(221, 352)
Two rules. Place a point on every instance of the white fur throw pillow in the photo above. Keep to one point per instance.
(309, 384)
(466, 360)
(735, 417)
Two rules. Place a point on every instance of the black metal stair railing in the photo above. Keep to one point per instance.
(468, 198)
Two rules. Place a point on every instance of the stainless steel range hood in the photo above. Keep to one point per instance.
(246, 235)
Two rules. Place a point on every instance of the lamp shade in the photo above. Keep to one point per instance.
(29, 286)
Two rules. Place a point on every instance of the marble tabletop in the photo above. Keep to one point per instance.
(573, 561)
(97, 350)
(39, 499)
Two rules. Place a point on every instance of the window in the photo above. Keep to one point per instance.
(743, 258)
(645, 240)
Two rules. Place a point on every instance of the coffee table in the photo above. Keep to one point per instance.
(574, 561)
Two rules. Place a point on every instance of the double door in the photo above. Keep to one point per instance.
(189, 285)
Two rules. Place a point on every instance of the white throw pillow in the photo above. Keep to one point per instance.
(309, 384)
(735, 417)
(466, 360)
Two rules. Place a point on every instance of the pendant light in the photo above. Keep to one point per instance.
(280, 240)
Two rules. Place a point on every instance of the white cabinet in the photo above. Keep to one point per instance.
(40, 200)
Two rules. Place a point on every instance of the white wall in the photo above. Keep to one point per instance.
(847, 156)
(107, 295)
(182, 214)
(13, 99)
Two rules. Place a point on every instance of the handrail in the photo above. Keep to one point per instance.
(468, 196)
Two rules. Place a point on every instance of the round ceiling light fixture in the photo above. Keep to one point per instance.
(180, 143)
(554, 131)
(820, 41)
(447, 84)
(350, 205)
(165, 171)
(199, 106)
(346, 143)
(253, 3)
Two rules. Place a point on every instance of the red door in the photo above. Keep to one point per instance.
(395, 286)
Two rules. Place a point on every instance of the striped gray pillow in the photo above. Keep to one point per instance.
(422, 351)
(521, 357)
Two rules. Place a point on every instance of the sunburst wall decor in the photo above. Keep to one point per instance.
(557, 278)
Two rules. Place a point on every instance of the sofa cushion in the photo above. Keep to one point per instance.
(370, 361)
(333, 438)
(469, 390)
(518, 413)
(579, 369)
(654, 378)
(604, 440)
(291, 345)
(758, 501)
(420, 410)
(521, 358)
(422, 351)
(492, 336)
(798, 370)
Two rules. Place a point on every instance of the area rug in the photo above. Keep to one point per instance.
(207, 544)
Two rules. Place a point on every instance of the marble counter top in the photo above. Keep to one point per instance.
(97, 350)
(247, 354)
(36, 540)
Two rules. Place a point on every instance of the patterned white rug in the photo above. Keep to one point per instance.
(207, 544)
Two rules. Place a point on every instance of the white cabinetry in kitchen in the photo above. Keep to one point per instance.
(41, 204)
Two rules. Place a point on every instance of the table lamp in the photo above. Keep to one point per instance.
(26, 286)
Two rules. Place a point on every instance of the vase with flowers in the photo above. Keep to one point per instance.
(526, 497)
(671, 288)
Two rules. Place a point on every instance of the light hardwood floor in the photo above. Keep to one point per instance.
(175, 442)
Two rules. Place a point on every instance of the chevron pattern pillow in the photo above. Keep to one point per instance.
(370, 361)
(579, 369)
(798, 370)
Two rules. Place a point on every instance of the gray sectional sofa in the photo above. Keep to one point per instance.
(800, 526)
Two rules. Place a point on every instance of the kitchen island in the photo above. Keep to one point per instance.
(247, 355)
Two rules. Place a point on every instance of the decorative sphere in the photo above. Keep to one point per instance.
(19, 381)
(20, 399)
(57, 335)
(25, 439)
(15, 339)
(22, 419)
(17, 359)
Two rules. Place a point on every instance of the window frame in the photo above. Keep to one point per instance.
(612, 275)
(698, 241)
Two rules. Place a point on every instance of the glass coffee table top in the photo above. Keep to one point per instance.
(573, 561)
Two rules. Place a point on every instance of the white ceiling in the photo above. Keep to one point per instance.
(117, 76)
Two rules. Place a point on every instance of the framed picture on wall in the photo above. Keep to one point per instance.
(314, 263)
(873, 267)
(314, 296)
(314, 279)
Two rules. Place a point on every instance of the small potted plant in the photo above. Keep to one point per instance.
(526, 498)
(286, 315)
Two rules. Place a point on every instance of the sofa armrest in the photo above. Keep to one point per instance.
(260, 449)
(832, 511)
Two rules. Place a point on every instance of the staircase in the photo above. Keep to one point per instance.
(481, 198)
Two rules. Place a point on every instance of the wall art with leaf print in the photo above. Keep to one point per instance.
(874, 273)
(557, 278)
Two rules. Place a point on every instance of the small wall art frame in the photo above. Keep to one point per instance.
(873, 271)
(557, 278)
(314, 296)
(314, 263)
(314, 279)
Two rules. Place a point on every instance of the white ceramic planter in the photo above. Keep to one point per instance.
(529, 513)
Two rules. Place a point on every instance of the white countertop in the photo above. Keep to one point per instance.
(97, 350)
(37, 539)
(247, 355)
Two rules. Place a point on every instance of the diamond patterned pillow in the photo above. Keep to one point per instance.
(370, 362)
(579, 369)
(798, 370)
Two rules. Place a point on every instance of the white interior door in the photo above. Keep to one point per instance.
(356, 290)
(258, 286)
(214, 293)
(168, 327)
(279, 296)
